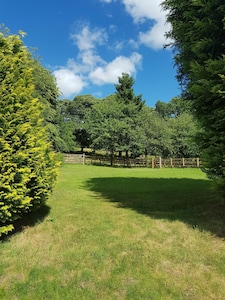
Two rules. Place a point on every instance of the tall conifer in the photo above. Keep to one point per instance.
(197, 32)
(27, 163)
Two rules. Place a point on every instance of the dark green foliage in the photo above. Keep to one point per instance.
(210, 89)
(47, 92)
(125, 92)
(198, 33)
(132, 140)
(181, 127)
(71, 121)
(82, 138)
(27, 163)
(66, 126)
(174, 108)
(198, 30)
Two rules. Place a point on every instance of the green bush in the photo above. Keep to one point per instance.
(28, 167)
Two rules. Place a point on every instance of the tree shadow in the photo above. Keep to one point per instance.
(189, 200)
(28, 220)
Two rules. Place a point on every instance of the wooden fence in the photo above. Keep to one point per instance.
(74, 159)
(154, 162)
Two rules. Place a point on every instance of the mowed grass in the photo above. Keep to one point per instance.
(115, 233)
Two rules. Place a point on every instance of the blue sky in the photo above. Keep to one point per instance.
(87, 44)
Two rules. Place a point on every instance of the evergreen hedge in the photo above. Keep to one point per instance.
(28, 166)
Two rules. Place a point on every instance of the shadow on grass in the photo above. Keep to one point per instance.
(188, 200)
(28, 220)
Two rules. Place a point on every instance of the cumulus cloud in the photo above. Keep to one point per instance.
(89, 67)
(111, 71)
(144, 10)
(72, 78)
(86, 39)
(154, 38)
(140, 10)
(68, 82)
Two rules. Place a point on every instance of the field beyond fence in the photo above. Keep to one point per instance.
(153, 162)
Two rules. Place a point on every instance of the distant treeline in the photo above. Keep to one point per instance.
(123, 123)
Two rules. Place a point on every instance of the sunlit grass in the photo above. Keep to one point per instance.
(120, 234)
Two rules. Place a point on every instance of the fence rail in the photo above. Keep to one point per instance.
(154, 162)
(74, 159)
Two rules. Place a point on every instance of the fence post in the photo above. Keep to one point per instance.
(160, 162)
(198, 164)
(153, 163)
(183, 164)
(171, 162)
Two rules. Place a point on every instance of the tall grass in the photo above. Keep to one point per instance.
(111, 233)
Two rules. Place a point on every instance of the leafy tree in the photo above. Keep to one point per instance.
(82, 137)
(79, 106)
(198, 30)
(47, 92)
(71, 121)
(27, 163)
(182, 127)
(66, 126)
(107, 125)
(183, 130)
(174, 108)
(162, 109)
(157, 133)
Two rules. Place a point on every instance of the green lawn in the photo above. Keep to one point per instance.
(114, 233)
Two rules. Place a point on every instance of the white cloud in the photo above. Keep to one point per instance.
(89, 67)
(154, 38)
(74, 77)
(111, 71)
(87, 39)
(118, 46)
(141, 10)
(133, 44)
(113, 28)
(144, 10)
(68, 82)
(90, 59)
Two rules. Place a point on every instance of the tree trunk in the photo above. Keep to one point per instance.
(111, 157)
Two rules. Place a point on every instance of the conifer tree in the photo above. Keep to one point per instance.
(197, 32)
(125, 92)
(132, 108)
(28, 166)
